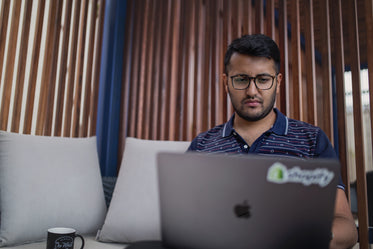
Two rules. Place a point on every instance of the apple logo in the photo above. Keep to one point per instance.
(242, 210)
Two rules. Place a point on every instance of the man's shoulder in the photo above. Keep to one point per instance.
(216, 139)
(217, 131)
(297, 125)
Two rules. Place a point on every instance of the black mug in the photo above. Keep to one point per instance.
(62, 238)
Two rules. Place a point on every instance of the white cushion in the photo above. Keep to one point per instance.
(133, 214)
(48, 182)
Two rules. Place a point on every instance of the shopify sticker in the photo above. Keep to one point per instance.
(278, 173)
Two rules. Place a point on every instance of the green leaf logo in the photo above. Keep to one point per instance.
(277, 173)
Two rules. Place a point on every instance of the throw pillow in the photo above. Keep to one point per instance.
(48, 182)
(133, 214)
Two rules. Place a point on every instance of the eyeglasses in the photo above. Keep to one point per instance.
(261, 81)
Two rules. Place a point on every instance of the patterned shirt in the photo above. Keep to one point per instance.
(287, 137)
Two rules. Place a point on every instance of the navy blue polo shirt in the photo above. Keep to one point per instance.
(287, 136)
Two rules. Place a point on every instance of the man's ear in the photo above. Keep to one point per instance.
(225, 82)
(279, 79)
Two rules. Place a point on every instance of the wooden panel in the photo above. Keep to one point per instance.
(259, 16)
(147, 84)
(89, 84)
(270, 19)
(52, 79)
(20, 75)
(4, 16)
(338, 64)
(326, 68)
(358, 124)
(296, 69)
(34, 68)
(79, 69)
(156, 100)
(96, 71)
(311, 115)
(9, 64)
(187, 55)
(61, 82)
(72, 69)
(47, 70)
(283, 100)
(135, 67)
(142, 74)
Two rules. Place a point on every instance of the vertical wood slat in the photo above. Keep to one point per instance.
(9, 65)
(326, 71)
(165, 105)
(188, 37)
(197, 53)
(63, 69)
(270, 18)
(96, 66)
(283, 46)
(358, 127)
(213, 71)
(143, 58)
(20, 75)
(147, 77)
(220, 52)
(47, 70)
(339, 64)
(34, 68)
(4, 17)
(310, 63)
(368, 5)
(296, 101)
(72, 69)
(259, 16)
(157, 74)
(89, 85)
(180, 79)
(79, 69)
(135, 66)
(47, 129)
(205, 65)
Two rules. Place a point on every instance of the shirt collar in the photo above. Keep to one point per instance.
(280, 127)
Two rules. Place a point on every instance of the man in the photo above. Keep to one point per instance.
(252, 80)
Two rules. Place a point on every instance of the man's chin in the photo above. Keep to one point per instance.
(251, 117)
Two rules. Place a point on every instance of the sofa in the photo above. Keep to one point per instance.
(50, 182)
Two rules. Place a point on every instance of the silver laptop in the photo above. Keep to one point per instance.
(245, 201)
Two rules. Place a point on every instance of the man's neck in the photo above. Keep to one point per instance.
(252, 130)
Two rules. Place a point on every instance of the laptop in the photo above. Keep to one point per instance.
(219, 201)
(245, 201)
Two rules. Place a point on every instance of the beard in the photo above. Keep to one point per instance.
(245, 114)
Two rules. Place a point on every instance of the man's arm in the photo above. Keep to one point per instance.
(344, 228)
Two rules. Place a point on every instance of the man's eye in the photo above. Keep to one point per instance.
(241, 79)
(263, 79)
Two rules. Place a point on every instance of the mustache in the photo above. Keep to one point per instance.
(252, 98)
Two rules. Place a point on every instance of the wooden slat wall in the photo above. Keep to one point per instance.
(59, 77)
(174, 60)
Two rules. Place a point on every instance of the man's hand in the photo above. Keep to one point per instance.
(344, 229)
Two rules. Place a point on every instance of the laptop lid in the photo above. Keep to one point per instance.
(245, 201)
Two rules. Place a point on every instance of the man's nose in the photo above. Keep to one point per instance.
(252, 90)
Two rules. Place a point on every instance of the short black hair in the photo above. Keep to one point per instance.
(255, 45)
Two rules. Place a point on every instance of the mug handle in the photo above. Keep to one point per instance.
(81, 237)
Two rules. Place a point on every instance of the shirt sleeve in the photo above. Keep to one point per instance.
(324, 149)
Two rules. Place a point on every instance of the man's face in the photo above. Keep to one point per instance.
(251, 104)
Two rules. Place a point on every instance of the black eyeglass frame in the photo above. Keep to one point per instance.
(253, 78)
